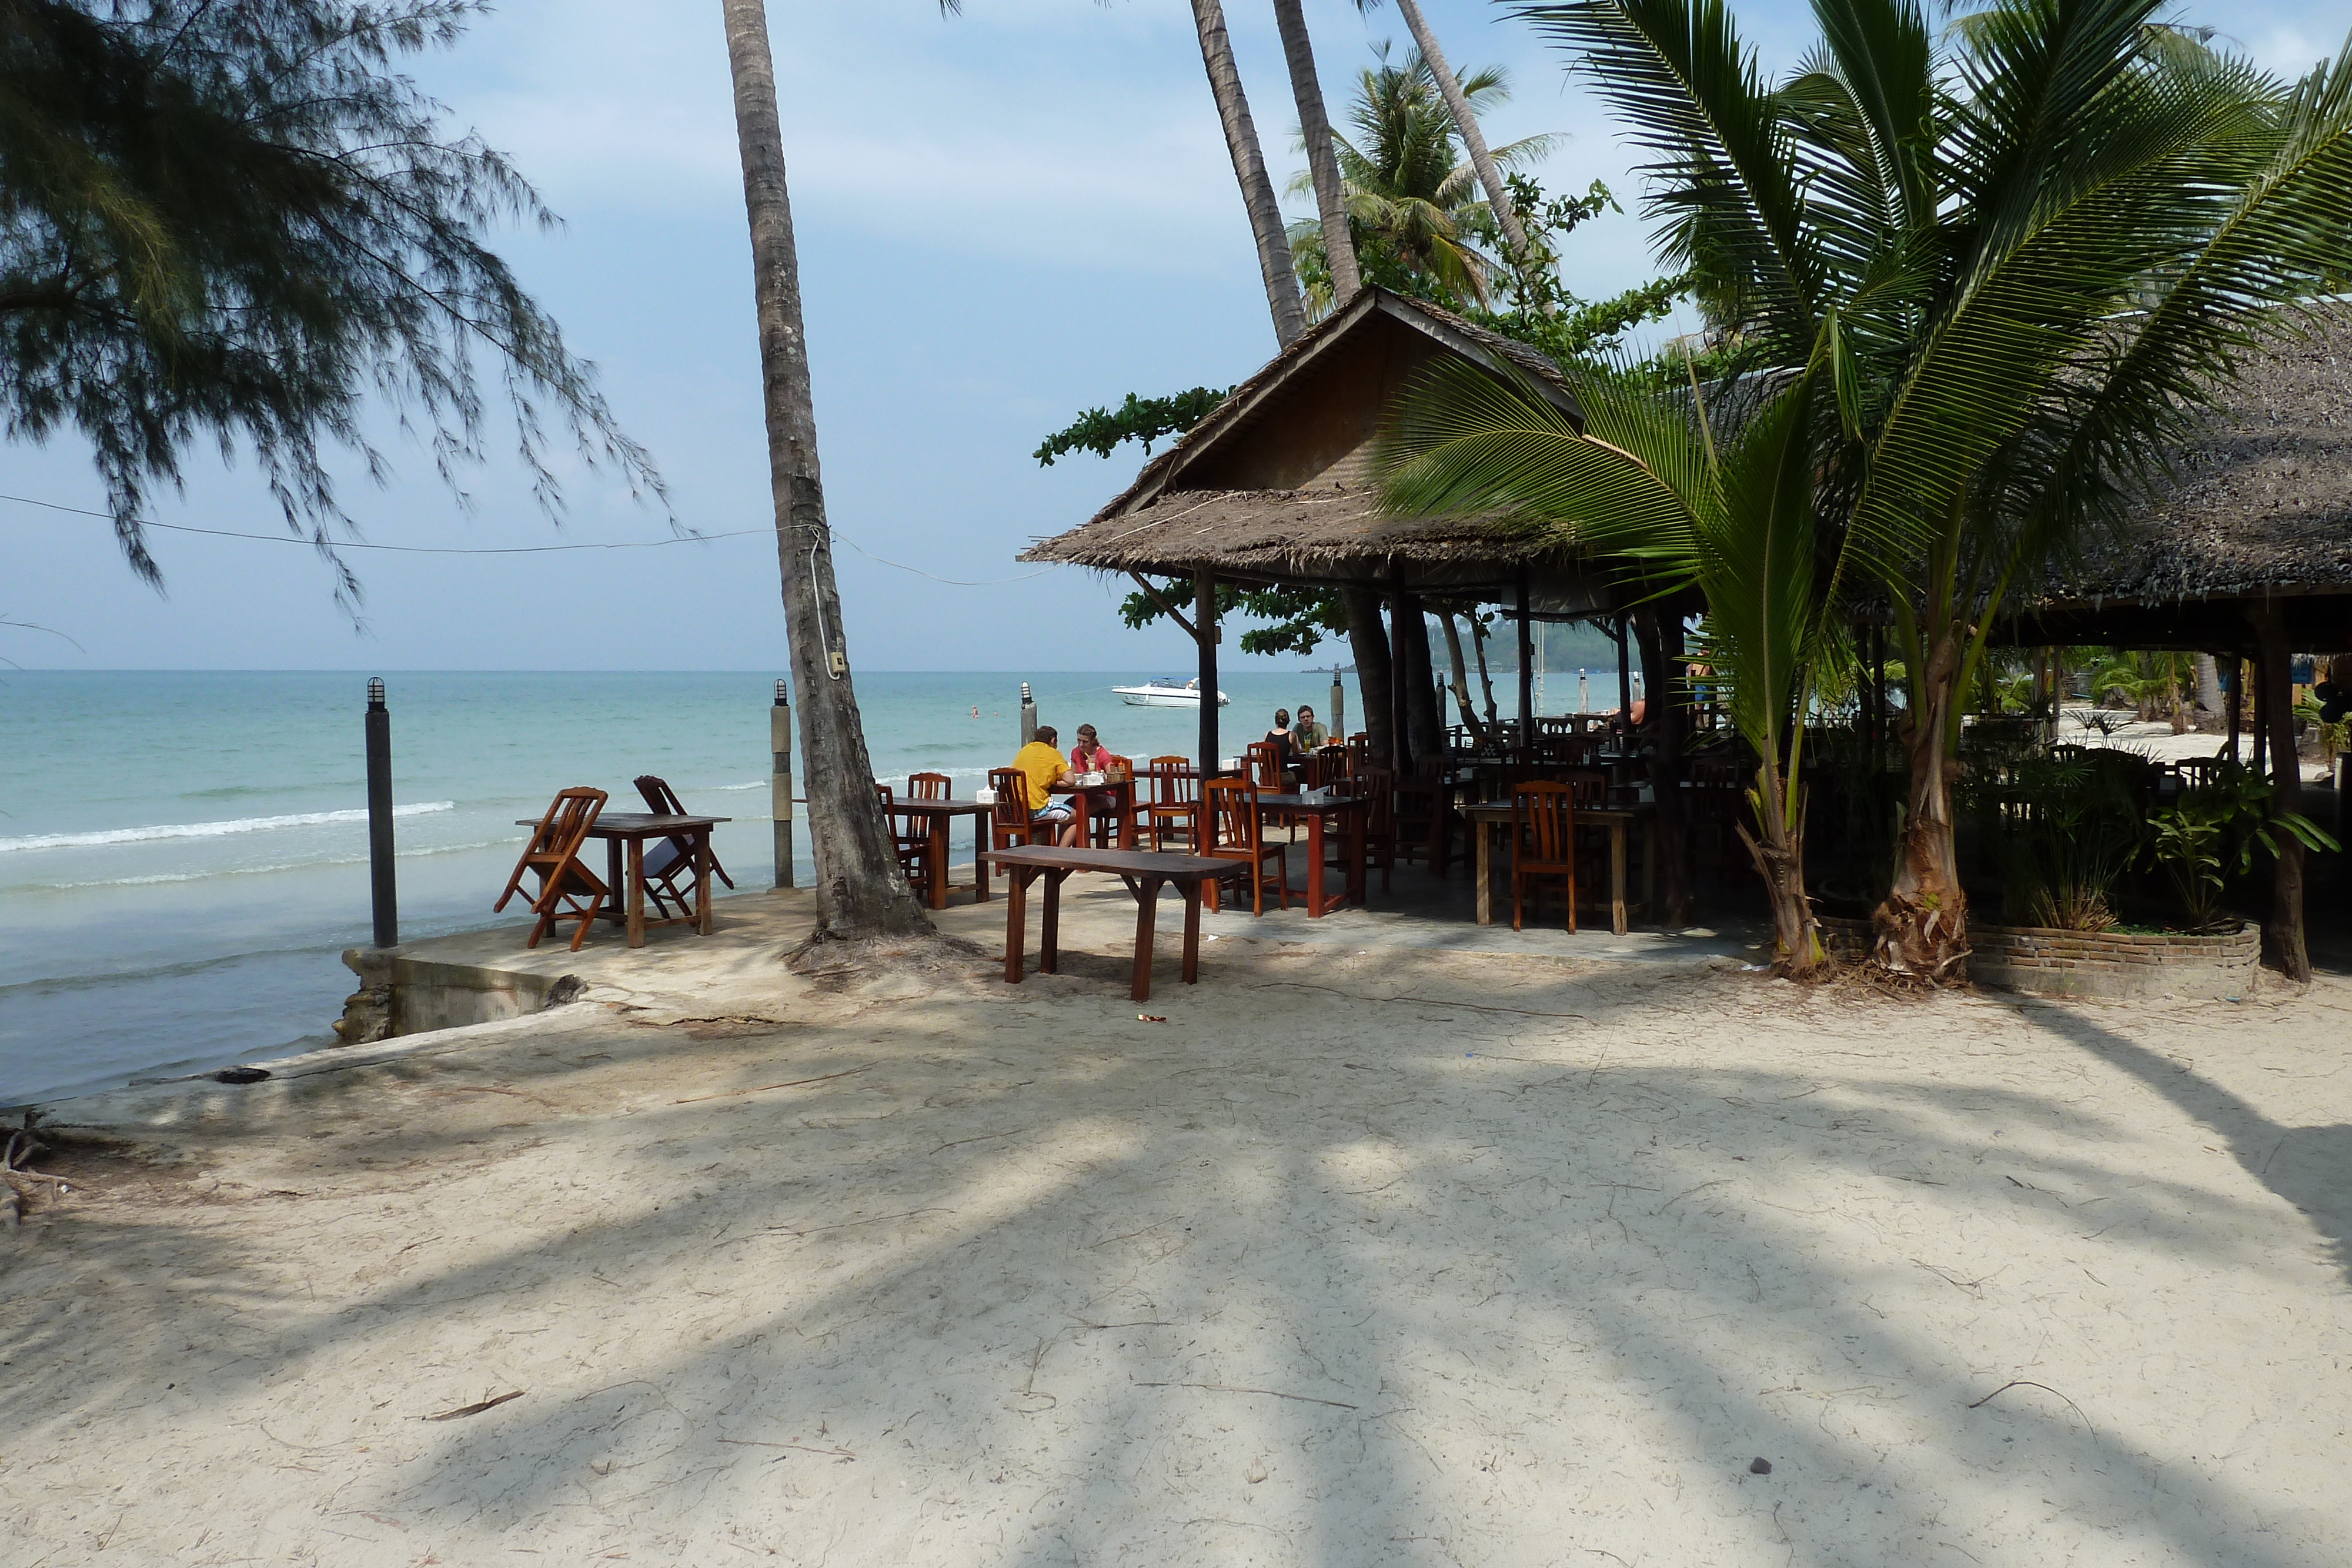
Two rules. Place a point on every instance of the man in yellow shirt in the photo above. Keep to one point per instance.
(1042, 763)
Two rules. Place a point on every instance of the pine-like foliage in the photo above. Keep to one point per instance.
(235, 219)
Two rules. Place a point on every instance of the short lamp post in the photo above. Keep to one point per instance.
(383, 879)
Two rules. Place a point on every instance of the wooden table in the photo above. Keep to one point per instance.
(1350, 810)
(1144, 873)
(1486, 816)
(633, 828)
(937, 815)
(1125, 807)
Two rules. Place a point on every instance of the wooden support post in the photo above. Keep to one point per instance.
(382, 878)
(1527, 677)
(2284, 934)
(1204, 623)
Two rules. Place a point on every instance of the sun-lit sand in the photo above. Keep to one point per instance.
(1361, 1258)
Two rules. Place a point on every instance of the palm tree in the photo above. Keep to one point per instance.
(1412, 205)
(2026, 253)
(1274, 261)
(1680, 492)
(1461, 104)
(1322, 165)
(860, 890)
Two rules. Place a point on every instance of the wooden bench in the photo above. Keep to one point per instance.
(1145, 874)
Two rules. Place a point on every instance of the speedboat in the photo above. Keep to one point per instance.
(1166, 692)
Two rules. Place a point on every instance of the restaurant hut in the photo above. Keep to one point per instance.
(2246, 553)
(1275, 486)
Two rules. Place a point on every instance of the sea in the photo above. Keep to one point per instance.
(183, 856)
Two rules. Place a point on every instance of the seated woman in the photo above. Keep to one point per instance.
(1088, 756)
(1041, 762)
(1279, 736)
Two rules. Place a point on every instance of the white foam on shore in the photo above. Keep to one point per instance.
(209, 829)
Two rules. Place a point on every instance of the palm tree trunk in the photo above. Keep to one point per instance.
(1322, 162)
(1425, 725)
(1368, 641)
(1249, 168)
(1461, 682)
(1485, 678)
(1499, 195)
(1779, 852)
(1922, 925)
(860, 889)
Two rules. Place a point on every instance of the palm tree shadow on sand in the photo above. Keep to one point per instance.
(2309, 1167)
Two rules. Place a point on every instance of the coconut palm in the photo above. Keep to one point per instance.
(1412, 203)
(2031, 250)
(1322, 164)
(1713, 490)
(1462, 105)
(1273, 258)
(861, 891)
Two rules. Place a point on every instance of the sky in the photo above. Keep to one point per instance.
(1003, 217)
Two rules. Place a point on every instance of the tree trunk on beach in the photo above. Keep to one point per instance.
(1922, 927)
(1461, 681)
(1368, 641)
(2283, 935)
(860, 889)
(1249, 168)
(1490, 178)
(1322, 161)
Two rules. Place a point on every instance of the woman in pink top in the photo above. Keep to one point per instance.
(1088, 756)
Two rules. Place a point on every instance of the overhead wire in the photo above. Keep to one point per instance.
(522, 550)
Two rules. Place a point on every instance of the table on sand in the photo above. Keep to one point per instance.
(937, 815)
(1123, 808)
(1350, 810)
(633, 828)
(1487, 815)
(1144, 871)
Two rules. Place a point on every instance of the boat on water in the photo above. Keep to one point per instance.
(1166, 692)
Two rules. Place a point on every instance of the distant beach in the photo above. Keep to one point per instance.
(183, 856)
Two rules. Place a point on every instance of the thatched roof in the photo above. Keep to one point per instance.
(1275, 483)
(2262, 508)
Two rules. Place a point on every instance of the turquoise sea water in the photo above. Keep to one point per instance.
(183, 856)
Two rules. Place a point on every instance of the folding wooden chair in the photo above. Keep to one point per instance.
(567, 890)
(669, 864)
(1229, 807)
(911, 839)
(1175, 805)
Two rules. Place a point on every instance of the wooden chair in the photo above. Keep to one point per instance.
(1008, 822)
(1543, 844)
(928, 786)
(669, 864)
(1108, 825)
(912, 839)
(1229, 807)
(1380, 821)
(1422, 815)
(1331, 765)
(567, 890)
(1175, 803)
(1264, 767)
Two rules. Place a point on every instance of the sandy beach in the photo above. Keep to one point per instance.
(1363, 1257)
